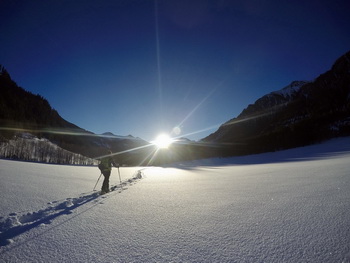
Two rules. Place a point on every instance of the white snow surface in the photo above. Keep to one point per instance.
(288, 206)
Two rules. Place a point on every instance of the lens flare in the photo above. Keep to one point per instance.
(176, 131)
(163, 141)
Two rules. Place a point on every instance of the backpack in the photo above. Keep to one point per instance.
(105, 164)
(101, 166)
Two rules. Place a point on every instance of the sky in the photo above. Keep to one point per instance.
(144, 67)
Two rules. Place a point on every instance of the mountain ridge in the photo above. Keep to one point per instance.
(274, 98)
(24, 112)
(301, 113)
(304, 116)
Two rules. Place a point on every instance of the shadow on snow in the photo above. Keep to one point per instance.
(333, 148)
(16, 224)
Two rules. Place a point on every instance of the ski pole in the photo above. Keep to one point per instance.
(97, 182)
(120, 178)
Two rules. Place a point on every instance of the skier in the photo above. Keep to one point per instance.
(106, 168)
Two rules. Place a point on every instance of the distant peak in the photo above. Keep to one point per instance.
(108, 134)
(297, 83)
(291, 88)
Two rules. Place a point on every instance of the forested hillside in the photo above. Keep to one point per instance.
(20, 109)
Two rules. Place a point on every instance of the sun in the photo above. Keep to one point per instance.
(163, 141)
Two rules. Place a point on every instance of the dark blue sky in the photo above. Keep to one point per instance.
(142, 67)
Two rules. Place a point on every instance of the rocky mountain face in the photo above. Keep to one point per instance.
(23, 112)
(300, 114)
(274, 99)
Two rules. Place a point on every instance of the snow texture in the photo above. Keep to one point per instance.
(290, 206)
(291, 89)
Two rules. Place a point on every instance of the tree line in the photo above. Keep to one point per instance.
(40, 150)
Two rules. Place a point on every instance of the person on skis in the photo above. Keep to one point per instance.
(106, 167)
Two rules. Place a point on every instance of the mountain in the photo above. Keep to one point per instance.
(20, 109)
(300, 114)
(274, 99)
(23, 112)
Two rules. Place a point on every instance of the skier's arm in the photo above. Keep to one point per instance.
(114, 163)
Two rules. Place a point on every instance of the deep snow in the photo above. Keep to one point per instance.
(290, 206)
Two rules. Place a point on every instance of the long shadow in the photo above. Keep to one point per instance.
(15, 225)
(30, 221)
(333, 148)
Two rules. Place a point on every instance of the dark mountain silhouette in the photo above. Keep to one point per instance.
(23, 112)
(302, 113)
(21, 109)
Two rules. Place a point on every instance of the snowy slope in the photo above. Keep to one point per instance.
(291, 206)
(288, 91)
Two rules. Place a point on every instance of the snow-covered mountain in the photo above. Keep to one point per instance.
(274, 99)
(301, 113)
(289, 91)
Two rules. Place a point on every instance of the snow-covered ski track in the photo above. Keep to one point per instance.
(18, 223)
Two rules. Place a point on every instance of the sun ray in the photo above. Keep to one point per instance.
(163, 141)
(196, 108)
(159, 71)
(125, 151)
(61, 131)
(202, 101)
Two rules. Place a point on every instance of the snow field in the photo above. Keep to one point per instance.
(246, 209)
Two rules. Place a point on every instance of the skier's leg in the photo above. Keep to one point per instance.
(107, 182)
(105, 185)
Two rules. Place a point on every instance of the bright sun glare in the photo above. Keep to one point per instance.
(163, 141)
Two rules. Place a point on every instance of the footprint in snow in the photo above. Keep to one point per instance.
(18, 223)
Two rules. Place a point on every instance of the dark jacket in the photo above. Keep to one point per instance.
(106, 164)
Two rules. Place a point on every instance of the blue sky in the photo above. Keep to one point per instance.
(143, 67)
